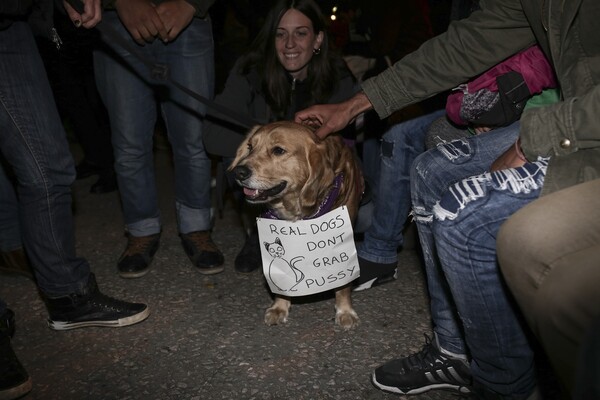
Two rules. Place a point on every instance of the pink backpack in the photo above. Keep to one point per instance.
(497, 97)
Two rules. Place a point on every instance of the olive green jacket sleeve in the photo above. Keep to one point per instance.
(468, 48)
(568, 131)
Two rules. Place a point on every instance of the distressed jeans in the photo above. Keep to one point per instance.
(399, 148)
(459, 208)
(130, 94)
(34, 144)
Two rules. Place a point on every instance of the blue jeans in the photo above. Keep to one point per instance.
(399, 148)
(10, 227)
(33, 141)
(130, 94)
(459, 209)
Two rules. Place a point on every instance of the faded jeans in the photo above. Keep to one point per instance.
(130, 94)
(399, 148)
(459, 208)
(34, 144)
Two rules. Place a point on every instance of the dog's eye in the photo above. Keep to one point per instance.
(278, 151)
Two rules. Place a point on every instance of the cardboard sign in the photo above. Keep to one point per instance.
(308, 256)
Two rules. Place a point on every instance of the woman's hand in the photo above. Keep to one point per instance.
(92, 13)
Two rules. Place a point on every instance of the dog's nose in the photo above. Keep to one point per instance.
(242, 172)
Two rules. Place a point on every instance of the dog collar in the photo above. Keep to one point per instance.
(325, 206)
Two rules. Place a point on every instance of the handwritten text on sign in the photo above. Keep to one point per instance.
(308, 256)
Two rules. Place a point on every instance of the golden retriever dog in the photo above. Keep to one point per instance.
(286, 167)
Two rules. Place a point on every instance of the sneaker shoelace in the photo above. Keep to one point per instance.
(427, 356)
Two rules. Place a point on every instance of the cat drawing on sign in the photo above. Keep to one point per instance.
(284, 274)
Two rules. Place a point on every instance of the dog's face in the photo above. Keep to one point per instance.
(285, 166)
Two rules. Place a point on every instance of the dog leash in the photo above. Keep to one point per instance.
(161, 72)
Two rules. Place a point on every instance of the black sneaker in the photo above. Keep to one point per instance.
(202, 252)
(14, 379)
(249, 258)
(7, 322)
(374, 274)
(135, 260)
(92, 308)
(426, 370)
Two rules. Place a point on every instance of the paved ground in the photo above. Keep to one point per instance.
(205, 338)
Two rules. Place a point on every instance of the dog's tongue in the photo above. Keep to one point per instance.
(251, 192)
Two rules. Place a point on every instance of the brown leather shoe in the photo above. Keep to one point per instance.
(202, 252)
(15, 262)
(135, 260)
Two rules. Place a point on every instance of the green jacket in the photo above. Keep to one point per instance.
(201, 6)
(568, 131)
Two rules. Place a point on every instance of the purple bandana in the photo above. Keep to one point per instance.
(325, 206)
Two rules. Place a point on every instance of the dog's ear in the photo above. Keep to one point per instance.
(244, 148)
(352, 185)
(310, 127)
(320, 161)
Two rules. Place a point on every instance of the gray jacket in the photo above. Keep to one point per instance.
(568, 131)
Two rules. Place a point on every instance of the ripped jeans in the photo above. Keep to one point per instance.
(459, 208)
(399, 147)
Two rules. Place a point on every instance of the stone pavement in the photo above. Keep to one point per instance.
(205, 338)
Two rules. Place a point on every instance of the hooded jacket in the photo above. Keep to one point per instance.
(243, 93)
(568, 131)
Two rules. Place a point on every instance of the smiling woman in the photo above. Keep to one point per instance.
(296, 42)
(288, 67)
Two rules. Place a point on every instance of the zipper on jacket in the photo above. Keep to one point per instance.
(545, 16)
(292, 94)
(55, 38)
(463, 87)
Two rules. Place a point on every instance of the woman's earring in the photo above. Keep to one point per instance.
(316, 52)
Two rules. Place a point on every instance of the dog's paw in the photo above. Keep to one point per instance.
(347, 319)
(275, 316)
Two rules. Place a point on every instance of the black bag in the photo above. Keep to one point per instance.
(513, 95)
